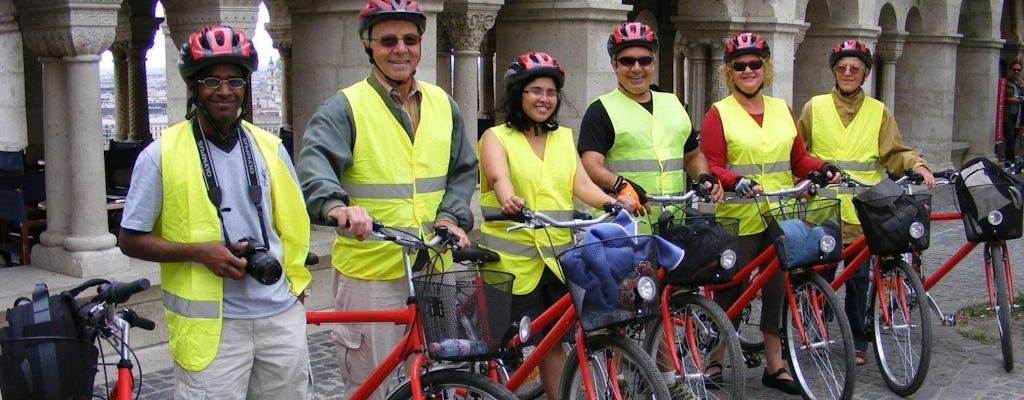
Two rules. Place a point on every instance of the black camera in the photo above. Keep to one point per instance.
(259, 263)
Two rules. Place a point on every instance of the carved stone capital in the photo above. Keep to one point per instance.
(59, 28)
(465, 30)
(890, 46)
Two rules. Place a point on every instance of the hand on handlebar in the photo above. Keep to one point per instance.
(354, 220)
(746, 187)
(453, 229)
(708, 185)
(512, 205)
(926, 176)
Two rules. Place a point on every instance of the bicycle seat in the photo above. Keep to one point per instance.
(475, 254)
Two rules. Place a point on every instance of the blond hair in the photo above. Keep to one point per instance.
(730, 82)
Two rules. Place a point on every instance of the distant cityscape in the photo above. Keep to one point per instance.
(266, 100)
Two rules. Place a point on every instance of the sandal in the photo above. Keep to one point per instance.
(860, 357)
(716, 377)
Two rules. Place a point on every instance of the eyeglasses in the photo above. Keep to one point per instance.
(631, 61)
(852, 69)
(1015, 69)
(392, 40)
(212, 82)
(740, 66)
(538, 92)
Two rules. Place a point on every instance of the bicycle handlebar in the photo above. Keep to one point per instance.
(687, 197)
(535, 220)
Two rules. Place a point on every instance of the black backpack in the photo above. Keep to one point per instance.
(986, 193)
(46, 352)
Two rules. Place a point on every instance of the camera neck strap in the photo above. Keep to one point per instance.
(213, 190)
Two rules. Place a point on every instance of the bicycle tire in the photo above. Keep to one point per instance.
(451, 384)
(903, 346)
(713, 333)
(638, 376)
(749, 328)
(531, 389)
(824, 365)
(997, 259)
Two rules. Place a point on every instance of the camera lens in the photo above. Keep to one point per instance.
(263, 267)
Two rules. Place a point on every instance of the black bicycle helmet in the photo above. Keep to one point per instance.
(746, 43)
(380, 10)
(629, 34)
(850, 48)
(216, 44)
(531, 65)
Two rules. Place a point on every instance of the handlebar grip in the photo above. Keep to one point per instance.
(120, 292)
(135, 320)
(498, 216)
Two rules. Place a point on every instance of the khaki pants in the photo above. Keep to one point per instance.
(265, 358)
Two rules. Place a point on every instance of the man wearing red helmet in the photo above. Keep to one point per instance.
(858, 134)
(634, 140)
(225, 230)
(394, 132)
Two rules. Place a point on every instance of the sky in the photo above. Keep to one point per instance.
(155, 57)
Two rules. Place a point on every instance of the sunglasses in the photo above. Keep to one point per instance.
(631, 61)
(1015, 70)
(852, 69)
(392, 40)
(214, 82)
(741, 66)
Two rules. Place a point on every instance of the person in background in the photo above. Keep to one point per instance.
(751, 144)
(858, 134)
(236, 327)
(529, 162)
(634, 140)
(389, 148)
(1013, 93)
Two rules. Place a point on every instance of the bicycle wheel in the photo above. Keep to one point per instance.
(448, 384)
(531, 389)
(1000, 263)
(820, 348)
(749, 329)
(618, 368)
(902, 327)
(702, 337)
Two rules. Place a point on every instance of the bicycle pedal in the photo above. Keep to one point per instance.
(949, 319)
(752, 359)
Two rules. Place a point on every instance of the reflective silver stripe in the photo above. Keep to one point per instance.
(426, 185)
(507, 246)
(851, 190)
(750, 169)
(378, 190)
(394, 190)
(674, 164)
(191, 308)
(857, 165)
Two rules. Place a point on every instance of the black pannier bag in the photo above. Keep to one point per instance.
(46, 353)
(888, 217)
(990, 201)
(704, 237)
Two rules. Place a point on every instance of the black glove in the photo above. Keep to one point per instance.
(701, 179)
(744, 186)
(826, 168)
(627, 187)
(612, 207)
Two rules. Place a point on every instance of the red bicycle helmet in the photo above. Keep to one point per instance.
(532, 64)
(629, 34)
(850, 48)
(216, 44)
(380, 10)
(746, 43)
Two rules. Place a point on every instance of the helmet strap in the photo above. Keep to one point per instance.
(750, 95)
(199, 105)
(641, 93)
(849, 94)
(392, 82)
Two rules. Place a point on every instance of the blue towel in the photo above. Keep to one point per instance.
(798, 245)
(608, 253)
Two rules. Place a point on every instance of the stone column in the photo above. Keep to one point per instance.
(121, 84)
(282, 36)
(976, 61)
(465, 24)
(142, 30)
(176, 92)
(694, 52)
(12, 77)
(887, 54)
(924, 107)
(487, 72)
(76, 241)
(444, 63)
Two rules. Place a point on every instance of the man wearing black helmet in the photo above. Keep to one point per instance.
(389, 148)
(858, 134)
(634, 140)
(236, 329)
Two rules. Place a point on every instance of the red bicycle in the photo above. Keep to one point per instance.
(112, 325)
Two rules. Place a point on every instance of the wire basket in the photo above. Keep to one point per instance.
(25, 373)
(805, 233)
(895, 224)
(706, 238)
(612, 281)
(465, 314)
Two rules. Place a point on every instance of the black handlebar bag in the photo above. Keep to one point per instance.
(894, 222)
(990, 201)
(45, 352)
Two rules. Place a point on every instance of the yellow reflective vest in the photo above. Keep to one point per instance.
(759, 152)
(546, 186)
(853, 148)
(192, 294)
(399, 182)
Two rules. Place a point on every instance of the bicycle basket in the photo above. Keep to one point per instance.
(990, 202)
(805, 233)
(895, 224)
(612, 281)
(465, 314)
(707, 239)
